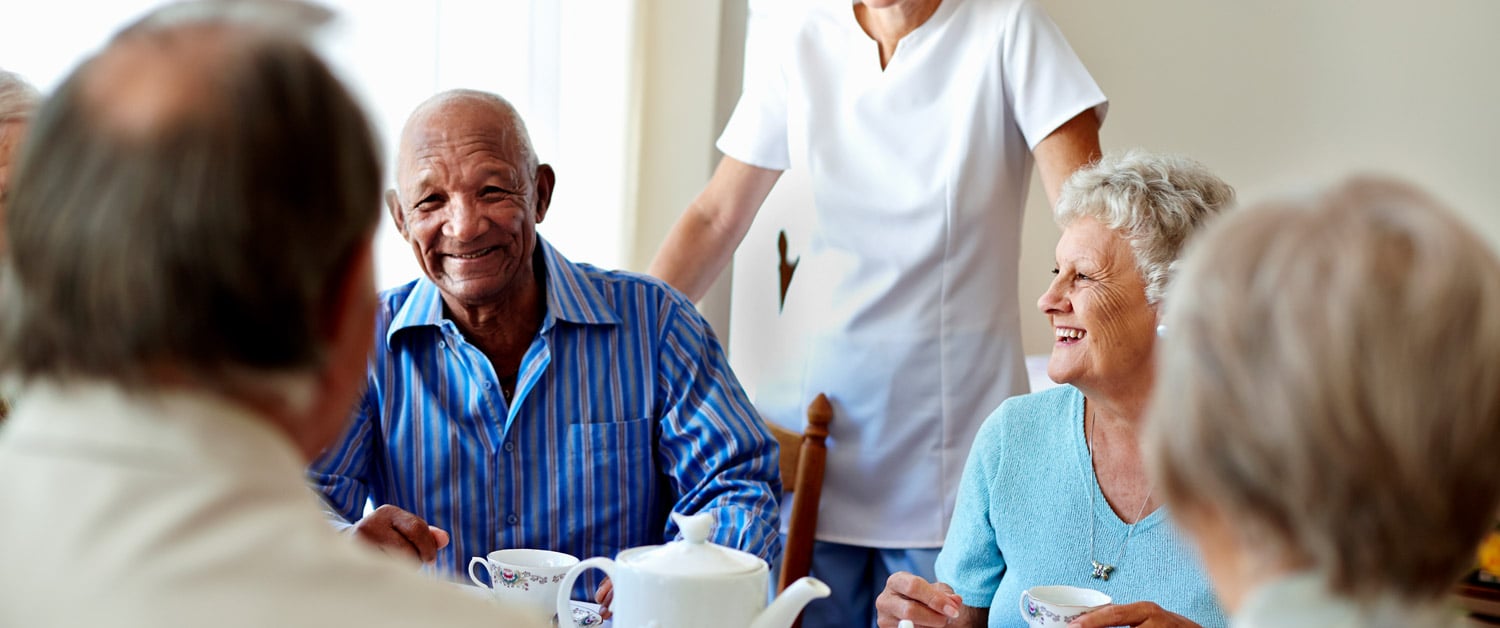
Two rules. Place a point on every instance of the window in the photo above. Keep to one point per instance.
(565, 64)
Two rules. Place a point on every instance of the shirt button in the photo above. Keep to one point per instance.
(509, 446)
(488, 385)
(443, 344)
(513, 520)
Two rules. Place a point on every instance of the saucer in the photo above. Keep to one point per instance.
(586, 617)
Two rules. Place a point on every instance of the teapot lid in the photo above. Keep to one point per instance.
(694, 555)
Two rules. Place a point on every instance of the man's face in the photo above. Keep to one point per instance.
(469, 203)
(10, 141)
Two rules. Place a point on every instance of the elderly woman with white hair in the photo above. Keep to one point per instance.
(1055, 491)
(18, 99)
(1327, 426)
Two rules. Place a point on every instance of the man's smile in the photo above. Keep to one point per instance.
(476, 254)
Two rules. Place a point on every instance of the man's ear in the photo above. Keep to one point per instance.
(393, 205)
(545, 179)
(351, 299)
(348, 333)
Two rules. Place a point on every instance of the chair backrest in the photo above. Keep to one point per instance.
(802, 460)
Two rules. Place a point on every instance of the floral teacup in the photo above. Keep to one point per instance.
(1057, 606)
(525, 577)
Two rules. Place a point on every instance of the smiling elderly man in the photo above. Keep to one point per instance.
(518, 399)
(188, 296)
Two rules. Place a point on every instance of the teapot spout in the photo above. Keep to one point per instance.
(782, 612)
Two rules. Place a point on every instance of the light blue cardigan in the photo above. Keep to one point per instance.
(1022, 520)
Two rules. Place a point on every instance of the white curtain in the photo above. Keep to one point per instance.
(567, 65)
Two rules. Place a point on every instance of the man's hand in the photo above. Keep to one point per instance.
(400, 533)
(603, 596)
(1146, 614)
(907, 596)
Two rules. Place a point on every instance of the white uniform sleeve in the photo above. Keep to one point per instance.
(1047, 82)
(757, 130)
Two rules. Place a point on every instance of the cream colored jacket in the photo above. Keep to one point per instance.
(185, 510)
(1302, 601)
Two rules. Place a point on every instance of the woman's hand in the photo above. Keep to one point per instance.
(907, 596)
(1146, 614)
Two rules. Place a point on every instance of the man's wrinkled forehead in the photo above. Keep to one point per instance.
(458, 125)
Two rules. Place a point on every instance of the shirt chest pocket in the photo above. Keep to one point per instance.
(600, 446)
(613, 467)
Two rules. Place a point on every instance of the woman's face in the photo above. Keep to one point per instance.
(1104, 332)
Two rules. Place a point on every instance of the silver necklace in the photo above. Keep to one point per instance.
(1102, 571)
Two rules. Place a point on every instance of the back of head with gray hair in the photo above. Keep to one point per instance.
(1155, 202)
(18, 99)
(190, 198)
(1330, 388)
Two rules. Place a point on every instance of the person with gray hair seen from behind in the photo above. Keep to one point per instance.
(1055, 491)
(17, 100)
(1328, 412)
(188, 301)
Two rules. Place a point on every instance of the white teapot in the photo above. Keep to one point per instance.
(692, 584)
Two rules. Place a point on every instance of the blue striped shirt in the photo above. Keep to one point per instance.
(624, 410)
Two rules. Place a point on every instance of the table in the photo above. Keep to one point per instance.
(485, 593)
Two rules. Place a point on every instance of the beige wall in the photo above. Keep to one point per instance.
(1279, 95)
(692, 53)
(1272, 94)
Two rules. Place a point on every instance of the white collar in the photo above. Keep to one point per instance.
(162, 428)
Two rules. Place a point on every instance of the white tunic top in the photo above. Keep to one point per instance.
(180, 509)
(903, 307)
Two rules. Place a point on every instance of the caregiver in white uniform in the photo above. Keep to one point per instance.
(919, 121)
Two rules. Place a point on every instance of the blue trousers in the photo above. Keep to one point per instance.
(856, 575)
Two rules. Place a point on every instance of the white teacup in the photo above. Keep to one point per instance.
(1055, 606)
(527, 578)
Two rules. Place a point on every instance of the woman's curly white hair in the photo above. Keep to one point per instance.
(1155, 202)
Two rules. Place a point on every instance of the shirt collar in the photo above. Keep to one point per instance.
(571, 297)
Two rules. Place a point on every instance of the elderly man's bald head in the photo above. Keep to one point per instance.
(459, 108)
(469, 194)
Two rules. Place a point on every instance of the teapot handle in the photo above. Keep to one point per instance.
(565, 591)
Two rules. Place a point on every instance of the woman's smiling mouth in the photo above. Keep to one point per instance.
(1069, 335)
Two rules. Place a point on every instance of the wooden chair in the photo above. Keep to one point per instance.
(802, 459)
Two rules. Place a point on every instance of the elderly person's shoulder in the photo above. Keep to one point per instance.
(627, 293)
(1035, 418)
